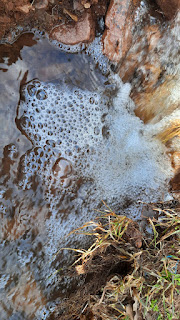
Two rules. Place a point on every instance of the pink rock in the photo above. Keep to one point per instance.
(169, 7)
(82, 31)
(119, 21)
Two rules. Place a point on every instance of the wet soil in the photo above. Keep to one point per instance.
(23, 15)
(99, 295)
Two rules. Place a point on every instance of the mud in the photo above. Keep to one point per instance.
(24, 15)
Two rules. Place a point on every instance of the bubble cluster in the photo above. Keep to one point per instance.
(59, 116)
(94, 49)
(77, 136)
(65, 126)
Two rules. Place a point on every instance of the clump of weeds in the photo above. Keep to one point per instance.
(129, 275)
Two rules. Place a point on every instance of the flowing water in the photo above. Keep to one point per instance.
(69, 138)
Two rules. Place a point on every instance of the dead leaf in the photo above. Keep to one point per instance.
(71, 15)
(129, 311)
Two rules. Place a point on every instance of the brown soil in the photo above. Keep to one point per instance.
(99, 268)
(44, 14)
(103, 269)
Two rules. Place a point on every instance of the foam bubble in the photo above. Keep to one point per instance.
(80, 136)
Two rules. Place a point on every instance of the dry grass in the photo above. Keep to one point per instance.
(172, 131)
(149, 288)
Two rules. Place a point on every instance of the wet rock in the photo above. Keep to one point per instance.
(142, 64)
(169, 7)
(119, 21)
(82, 31)
(163, 96)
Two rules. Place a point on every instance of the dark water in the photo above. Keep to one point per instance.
(25, 254)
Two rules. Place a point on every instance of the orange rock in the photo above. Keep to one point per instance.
(119, 22)
(139, 59)
(155, 105)
(169, 7)
(82, 31)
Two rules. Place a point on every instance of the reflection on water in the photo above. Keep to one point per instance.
(24, 258)
(65, 146)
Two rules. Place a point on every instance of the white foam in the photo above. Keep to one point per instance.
(115, 152)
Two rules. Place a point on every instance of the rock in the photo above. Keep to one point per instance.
(164, 96)
(82, 31)
(119, 21)
(143, 60)
(169, 7)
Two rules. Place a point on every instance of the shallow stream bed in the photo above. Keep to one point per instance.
(69, 139)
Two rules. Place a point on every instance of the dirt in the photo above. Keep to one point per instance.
(112, 274)
(99, 268)
(44, 15)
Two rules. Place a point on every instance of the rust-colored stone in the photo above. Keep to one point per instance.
(119, 21)
(154, 105)
(169, 7)
(138, 59)
(82, 31)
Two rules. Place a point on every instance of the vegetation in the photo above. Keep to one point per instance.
(143, 280)
(173, 130)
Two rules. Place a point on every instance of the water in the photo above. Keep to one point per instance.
(69, 138)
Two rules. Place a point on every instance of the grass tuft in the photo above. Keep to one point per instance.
(171, 132)
(136, 282)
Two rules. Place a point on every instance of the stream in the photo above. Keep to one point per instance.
(69, 139)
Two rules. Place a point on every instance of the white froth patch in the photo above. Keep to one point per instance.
(87, 148)
(106, 145)
(132, 162)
